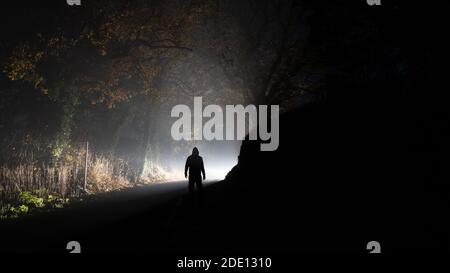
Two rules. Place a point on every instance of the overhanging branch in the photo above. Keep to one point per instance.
(151, 45)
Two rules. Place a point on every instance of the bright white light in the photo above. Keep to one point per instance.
(214, 170)
(218, 171)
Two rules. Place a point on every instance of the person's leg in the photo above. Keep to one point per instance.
(199, 185)
(191, 186)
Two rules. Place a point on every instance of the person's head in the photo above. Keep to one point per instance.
(195, 151)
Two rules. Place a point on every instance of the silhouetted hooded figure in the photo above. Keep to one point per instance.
(194, 164)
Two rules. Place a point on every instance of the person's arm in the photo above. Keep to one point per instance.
(186, 167)
(203, 170)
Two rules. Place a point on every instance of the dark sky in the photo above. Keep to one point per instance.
(22, 20)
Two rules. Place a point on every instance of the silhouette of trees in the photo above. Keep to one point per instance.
(118, 63)
(116, 56)
(263, 45)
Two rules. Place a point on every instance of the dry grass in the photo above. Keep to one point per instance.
(153, 173)
(40, 180)
(66, 180)
(43, 179)
(106, 175)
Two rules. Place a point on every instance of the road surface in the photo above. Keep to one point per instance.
(99, 220)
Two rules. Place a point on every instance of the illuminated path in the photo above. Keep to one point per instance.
(115, 212)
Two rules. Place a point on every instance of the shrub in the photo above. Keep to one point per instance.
(31, 200)
(105, 176)
(28, 186)
(16, 211)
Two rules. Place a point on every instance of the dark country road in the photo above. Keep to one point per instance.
(99, 220)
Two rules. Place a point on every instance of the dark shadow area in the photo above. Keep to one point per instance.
(368, 160)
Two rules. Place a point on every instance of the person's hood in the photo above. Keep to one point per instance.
(195, 151)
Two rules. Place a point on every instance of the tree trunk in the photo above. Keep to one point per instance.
(147, 150)
(117, 129)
